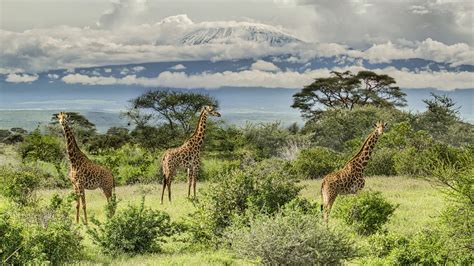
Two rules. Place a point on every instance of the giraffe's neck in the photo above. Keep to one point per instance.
(198, 135)
(75, 155)
(360, 160)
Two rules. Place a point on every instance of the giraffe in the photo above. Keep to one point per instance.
(349, 179)
(84, 173)
(187, 155)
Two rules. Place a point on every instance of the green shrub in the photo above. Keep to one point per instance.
(214, 169)
(316, 162)
(427, 247)
(381, 244)
(366, 212)
(40, 235)
(261, 188)
(10, 240)
(135, 230)
(131, 164)
(19, 184)
(290, 238)
(381, 163)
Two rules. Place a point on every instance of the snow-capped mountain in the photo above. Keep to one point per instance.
(250, 32)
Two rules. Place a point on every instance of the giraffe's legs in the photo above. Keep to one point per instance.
(328, 207)
(190, 181)
(169, 189)
(83, 199)
(78, 201)
(194, 179)
(164, 187)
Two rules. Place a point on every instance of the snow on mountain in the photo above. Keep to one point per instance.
(244, 31)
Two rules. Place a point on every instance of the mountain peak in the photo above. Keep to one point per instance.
(226, 33)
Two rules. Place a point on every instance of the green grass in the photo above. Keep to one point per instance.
(419, 204)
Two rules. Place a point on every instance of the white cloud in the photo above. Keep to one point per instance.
(107, 70)
(137, 69)
(68, 47)
(123, 12)
(53, 76)
(264, 66)
(178, 67)
(19, 78)
(280, 79)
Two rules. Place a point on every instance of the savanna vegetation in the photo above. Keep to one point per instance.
(259, 185)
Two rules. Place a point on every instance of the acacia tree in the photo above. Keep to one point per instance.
(345, 90)
(177, 109)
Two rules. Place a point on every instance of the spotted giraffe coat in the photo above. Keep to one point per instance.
(349, 179)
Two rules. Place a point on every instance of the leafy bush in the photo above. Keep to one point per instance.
(265, 138)
(381, 244)
(213, 169)
(261, 188)
(130, 164)
(10, 239)
(381, 163)
(135, 230)
(290, 238)
(316, 162)
(366, 212)
(19, 184)
(427, 247)
(38, 235)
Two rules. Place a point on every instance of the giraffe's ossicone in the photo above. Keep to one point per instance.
(349, 179)
(187, 156)
(84, 173)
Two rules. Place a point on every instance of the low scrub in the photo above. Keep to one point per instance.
(316, 162)
(40, 235)
(290, 238)
(366, 212)
(135, 230)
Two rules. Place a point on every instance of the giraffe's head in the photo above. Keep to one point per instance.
(211, 110)
(380, 127)
(62, 117)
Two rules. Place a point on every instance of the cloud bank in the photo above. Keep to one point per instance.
(275, 79)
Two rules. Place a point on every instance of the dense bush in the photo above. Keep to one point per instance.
(381, 163)
(381, 244)
(10, 239)
(135, 230)
(19, 184)
(265, 138)
(290, 238)
(131, 164)
(335, 127)
(366, 212)
(261, 188)
(316, 162)
(213, 169)
(40, 235)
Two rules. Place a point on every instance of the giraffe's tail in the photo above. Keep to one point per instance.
(322, 198)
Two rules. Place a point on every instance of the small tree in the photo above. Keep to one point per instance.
(46, 148)
(84, 130)
(344, 90)
(177, 108)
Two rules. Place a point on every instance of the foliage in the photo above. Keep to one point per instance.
(381, 163)
(46, 148)
(83, 129)
(316, 162)
(262, 188)
(131, 164)
(381, 244)
(115, 138)
(177, 108)
(40, 235)
(290, 238)
(135, 230)
(265, 138)
(427, 247)
(213, 169)
(366, 212)
(19, 184)
(337, 127)
(345, 91)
